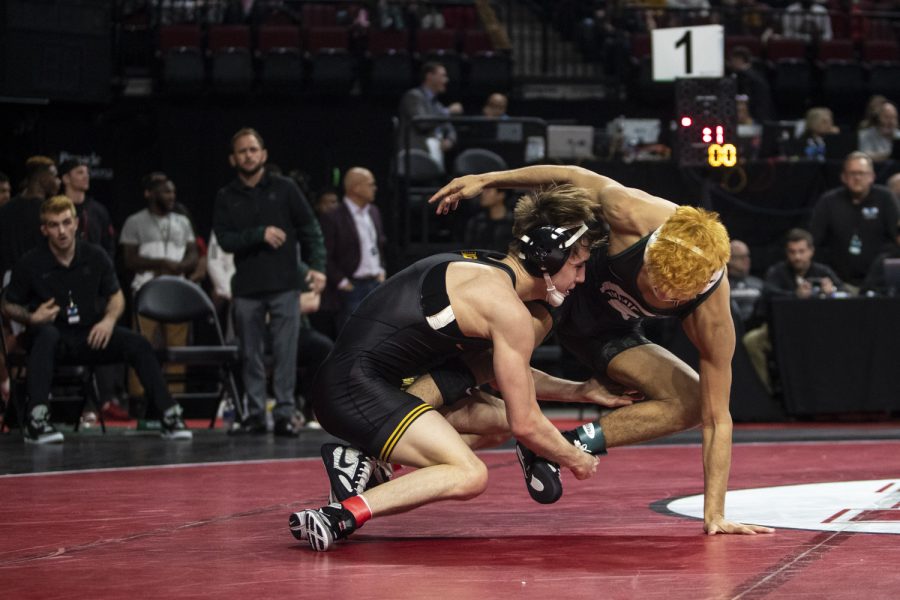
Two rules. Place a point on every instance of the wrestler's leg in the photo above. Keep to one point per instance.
(480, 420)
(671, 389)
(446, 469)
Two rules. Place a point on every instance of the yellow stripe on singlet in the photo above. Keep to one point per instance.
(398, 432)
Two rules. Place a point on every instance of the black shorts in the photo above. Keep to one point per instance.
(368, 411)
(598, 351)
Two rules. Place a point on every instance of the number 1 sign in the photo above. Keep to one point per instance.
(688, 52)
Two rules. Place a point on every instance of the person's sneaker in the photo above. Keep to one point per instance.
(312, 424)
(349, 470)
(172, 426)
(38, 429)
(248, 427)
(322, 527)
(382, 473)
(285, 428)
(542, 478)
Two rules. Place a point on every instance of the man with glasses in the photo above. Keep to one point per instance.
(856, 222)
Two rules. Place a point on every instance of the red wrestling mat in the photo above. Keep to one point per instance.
(220, 531)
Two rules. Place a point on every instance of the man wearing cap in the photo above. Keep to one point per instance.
(94, 222)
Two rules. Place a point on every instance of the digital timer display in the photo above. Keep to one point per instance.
(707, 122)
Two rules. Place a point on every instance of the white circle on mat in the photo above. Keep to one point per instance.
(850, 506)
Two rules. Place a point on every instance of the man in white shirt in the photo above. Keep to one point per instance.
(354, 244)
(157, 241)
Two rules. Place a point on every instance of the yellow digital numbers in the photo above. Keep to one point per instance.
(721, 155)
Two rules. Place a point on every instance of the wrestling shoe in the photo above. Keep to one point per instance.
(322, 527)
(172, 425)
(542, 479)
(349, 471)
(38, 429)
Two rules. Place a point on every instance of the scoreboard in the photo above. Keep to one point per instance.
(706, 122)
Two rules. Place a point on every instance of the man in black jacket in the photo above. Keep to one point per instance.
(261, 218)
(856, 222)
(796, 276)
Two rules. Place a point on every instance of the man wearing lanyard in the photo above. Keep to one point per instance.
(66, 292)
(854, 223)
(354, 242)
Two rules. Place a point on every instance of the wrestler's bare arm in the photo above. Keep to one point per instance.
(711, 330)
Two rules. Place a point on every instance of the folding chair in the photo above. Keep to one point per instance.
(169, 299)
(72, 383)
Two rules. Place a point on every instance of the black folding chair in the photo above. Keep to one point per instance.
(72, 383)
(169, 299)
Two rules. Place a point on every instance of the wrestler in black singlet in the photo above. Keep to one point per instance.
(603, 316)
(357, 389)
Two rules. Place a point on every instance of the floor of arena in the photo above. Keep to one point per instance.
(129, 515)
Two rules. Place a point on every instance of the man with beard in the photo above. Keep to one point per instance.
(261, 217)
(158, 241)
(66, 293)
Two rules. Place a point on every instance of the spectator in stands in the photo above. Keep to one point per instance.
(491, 228)
(878, 140)
(20, 218)
(260, 218)
(806, 20)
(66, 292)
(796, 276)
(94, 222)
(747, 17)
(389, 16)
(751, 83)
(326, 201)
(810, 144)
(745, 288)
(422, 101)
(354, 243)
(5, 188)
(159, 241)
(856, 222)
(870, 119)
(495, 106)
(432, 19)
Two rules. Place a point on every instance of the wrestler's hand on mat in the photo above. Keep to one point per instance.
(723, 525)
(586, 466)
(448, 197)
(593, 392)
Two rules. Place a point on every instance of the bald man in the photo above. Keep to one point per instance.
(495, 106)
(745, 288)
(354, 243)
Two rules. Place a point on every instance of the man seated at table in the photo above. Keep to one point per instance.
(797, 276)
